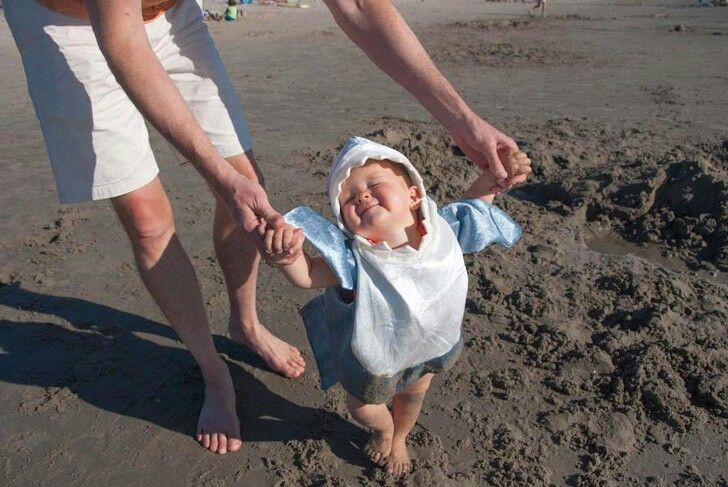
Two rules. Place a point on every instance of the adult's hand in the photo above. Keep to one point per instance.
(249, 205)
(487, 147)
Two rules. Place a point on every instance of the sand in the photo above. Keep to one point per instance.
(595, 349)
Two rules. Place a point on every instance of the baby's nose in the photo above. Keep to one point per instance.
(363, 196)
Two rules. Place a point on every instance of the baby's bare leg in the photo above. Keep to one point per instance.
(406, 410)
(378, 419)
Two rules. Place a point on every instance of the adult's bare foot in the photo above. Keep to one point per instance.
(218, 427)
(379, 446)
(281, 357)
(399, 463)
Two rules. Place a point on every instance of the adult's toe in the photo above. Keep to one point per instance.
(234, 443)
(221, 444)
(297, 357)
(213, 442)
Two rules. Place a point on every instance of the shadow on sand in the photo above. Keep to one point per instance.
(110, 359)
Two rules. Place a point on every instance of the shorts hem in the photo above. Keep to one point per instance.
(231, 150)
(112, 190)
(372, 389)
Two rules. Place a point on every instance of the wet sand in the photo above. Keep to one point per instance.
(595, 349)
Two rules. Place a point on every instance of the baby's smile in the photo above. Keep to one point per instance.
(367, 208)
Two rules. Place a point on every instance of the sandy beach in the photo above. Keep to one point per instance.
(596, 349)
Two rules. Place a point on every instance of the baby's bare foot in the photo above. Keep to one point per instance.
(378, 447)
(399, 463)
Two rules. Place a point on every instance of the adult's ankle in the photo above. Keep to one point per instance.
(247, 322)
(215, 373)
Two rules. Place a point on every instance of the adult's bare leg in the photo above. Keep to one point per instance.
(239, 260)
(168, 275)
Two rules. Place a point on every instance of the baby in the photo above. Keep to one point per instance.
(395, 283)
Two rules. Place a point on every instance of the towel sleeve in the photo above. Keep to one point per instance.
(330, 242)
(477, 224)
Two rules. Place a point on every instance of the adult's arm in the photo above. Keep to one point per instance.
(119, 29)
(378, 28)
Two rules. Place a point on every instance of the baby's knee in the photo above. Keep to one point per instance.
(417, 390)
(410, 397)
(353, 405)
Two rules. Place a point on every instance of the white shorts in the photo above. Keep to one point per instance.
(97, 141)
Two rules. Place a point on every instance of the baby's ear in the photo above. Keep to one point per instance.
(415, 197)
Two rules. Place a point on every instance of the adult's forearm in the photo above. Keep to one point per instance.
(122, 38)
(378, 28)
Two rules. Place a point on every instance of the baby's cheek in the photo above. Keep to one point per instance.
(349, 218)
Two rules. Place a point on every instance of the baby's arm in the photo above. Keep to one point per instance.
(309, 272)
(486, 186)
(305, 272)
(483, 187)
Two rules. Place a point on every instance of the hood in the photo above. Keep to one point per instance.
(355, 153)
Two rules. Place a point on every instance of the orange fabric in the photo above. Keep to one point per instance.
(151, 9)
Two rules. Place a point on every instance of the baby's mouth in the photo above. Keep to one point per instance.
(366, 210)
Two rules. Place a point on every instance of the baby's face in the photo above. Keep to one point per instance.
(376, 202)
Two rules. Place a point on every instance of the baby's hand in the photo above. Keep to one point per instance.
(518, 166)
(282, 245)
